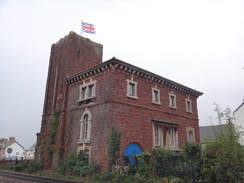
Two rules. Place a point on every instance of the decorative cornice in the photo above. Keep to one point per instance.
(133, 70)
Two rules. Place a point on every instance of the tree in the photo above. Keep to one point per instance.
(223, 157)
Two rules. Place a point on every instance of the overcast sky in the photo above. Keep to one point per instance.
(198, 43)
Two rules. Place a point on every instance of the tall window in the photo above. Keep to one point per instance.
(91, 90)
(85, 127)
(190, 134)
(131, 88)
(188, 106)
(155, 95)
(172, 100)
(83, 92)
(85, 130)
(172, 137)
(157, 135)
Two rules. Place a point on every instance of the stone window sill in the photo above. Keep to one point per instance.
(84, 141)
(86, 100)
(133, 97)
(156, 103)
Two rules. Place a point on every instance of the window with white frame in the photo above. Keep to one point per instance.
(85, 127)
(157, 135)
(91, 90)
(131, 88)
(190, 134)
(83, 92)
(172, 138)
(188, 105)
(172, 100)
(165, 135)
(155, 95)
(87, 91)
(85, 124)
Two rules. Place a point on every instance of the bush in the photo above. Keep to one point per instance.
(191, 166)
(20, 167)
(33, 166)
(145, 168)
(164, 162)
(28, 166)
(223, 158)
(178, 167)
(77, 165)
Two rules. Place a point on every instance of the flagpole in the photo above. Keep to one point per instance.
(81, 32)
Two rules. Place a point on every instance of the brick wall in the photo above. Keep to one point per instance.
(111, 107)
(69, 56)
(132, 117)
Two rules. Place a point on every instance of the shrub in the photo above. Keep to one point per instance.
(145, 168)
(178, 167)
(223, 159)
(190, 167)
(28, 166)
(164, 162)
(77, 165)
(33, 166)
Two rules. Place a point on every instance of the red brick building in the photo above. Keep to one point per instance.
(91, 96)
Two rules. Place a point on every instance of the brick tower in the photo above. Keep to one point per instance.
(69, 56)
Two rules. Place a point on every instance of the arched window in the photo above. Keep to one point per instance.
(85, 126)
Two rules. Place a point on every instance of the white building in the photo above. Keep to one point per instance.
(30, 153)
(12, 150)
(239, 121)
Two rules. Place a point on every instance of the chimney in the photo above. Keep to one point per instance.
(3, 141)
(11, 139)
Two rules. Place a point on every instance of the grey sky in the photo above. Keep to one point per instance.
(199, 44)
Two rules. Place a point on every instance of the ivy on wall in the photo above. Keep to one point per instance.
(113, 147)
(53, 126)
(53, 132)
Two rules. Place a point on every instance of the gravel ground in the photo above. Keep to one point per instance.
(6, 179)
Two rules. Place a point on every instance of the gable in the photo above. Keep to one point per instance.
(13, 144)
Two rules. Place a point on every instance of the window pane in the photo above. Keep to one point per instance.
(172, 101)
(83, 92)
(189, 106)
(131, 89)
(155, 96)
(157, 135)
(172, 137)
(190, 136)
(85, 126)
(91, 88)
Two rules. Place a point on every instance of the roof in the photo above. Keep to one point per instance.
(10, 143)
(239, 107)
(210, 132)
(114, 63)
(32, 148)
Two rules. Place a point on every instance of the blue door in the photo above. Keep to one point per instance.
(131, 150)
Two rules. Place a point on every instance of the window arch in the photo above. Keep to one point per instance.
(85, 130)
